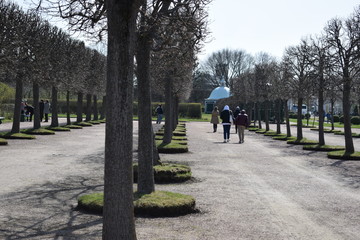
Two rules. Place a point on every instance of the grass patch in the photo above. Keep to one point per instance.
(261, 131)
(168, 173)
(39, 131)
(83, 124)
(343, 155)
(73, 126)
(303, 141)
(323, 148)
(3, 141)
(173, 147)
(326, 130)
(160, 137)
(59, 129)
(94, 122)
(9, 135)
(253, 129)
(175, 133)
(283, 137)
(354, 135)
(102, 121)
(270, 133)
(156, 204)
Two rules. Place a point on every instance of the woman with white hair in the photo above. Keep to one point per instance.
(226, 117)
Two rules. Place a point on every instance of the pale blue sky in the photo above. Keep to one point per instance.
(269, 26)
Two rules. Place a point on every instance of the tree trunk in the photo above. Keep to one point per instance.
(267, 126)
(258, 114)
(278, 104)
(103, 108)
(68, 120)
(36, 100)
(156, 156)
(299, 135)
(54, 107)
(118, 212)
(321, 113)
(251, 108)
(175, 113)
(332, 103)
(95, 108)
(349, 145)
(88, 107)
(146, 182)
(168, 133)
(17, 108)
(79, 107)
(286, 110)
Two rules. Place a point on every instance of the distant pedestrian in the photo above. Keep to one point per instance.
(29, 112)
(159, 111)
(215, 118)
(236, 113)
(242, 122)
(226, 117)
(46, 110)
(41, 108)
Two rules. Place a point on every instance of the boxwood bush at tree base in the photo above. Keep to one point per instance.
(39, 131)
(94, 122)
(156, 204)
(173, 147)
(323, 148)
(283, 137)
(9, 135)
(303, 141)
(73, 126)
(344, 156)
(3, 141)
(59, 129)
(168, 173)
(83, 124)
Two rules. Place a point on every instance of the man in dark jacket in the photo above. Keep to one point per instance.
(226, 117)
(242, 122)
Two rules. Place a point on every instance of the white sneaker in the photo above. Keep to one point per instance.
(224, 140)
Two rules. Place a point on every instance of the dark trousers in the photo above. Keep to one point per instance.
(46, 117)
(215, 127)
(226, 131)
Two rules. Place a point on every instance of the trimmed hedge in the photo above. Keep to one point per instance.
(3, 141)
(40, 131)
(186, 110)
(168, 173)
(155, 204)
(355, 120)
(9, 135)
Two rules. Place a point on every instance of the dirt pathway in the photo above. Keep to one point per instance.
(262, 189)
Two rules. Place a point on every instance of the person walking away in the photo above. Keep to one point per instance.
(242, 122)
(159, 112)
(236, 113)
(46, 110)
(215, 118)
(29, 111)
(226, 117)
(41, 108)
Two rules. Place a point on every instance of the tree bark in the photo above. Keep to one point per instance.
(258, 114)
(54, 107)
(299, 135)
(349, 145)
(95, 108)
(168, 132)
(321, 112)
(146, 182)
(36, 100)
(68, 120)
(278, 104)
(118, 212)
(79, 107)
(17, 108)
(286, 110)
(267, 115)
(88, 108)
(103, 108)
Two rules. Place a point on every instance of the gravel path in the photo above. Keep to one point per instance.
(262, 189)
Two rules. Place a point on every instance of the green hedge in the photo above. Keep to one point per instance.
(336, 118)
(355, 120)
(186, 110)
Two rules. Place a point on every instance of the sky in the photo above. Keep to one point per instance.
(266, 25)
(269, 26)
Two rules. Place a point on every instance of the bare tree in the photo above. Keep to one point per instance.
(343, 36)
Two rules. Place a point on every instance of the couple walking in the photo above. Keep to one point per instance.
(226, 115)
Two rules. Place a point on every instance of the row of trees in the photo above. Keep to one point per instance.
(324, 67)
(164, 36)
(32, 52)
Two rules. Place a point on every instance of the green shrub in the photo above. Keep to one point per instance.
(341, 119)
(355, 120)
(336, 118)
(190, 110)
(3, 141)
(168, 173)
